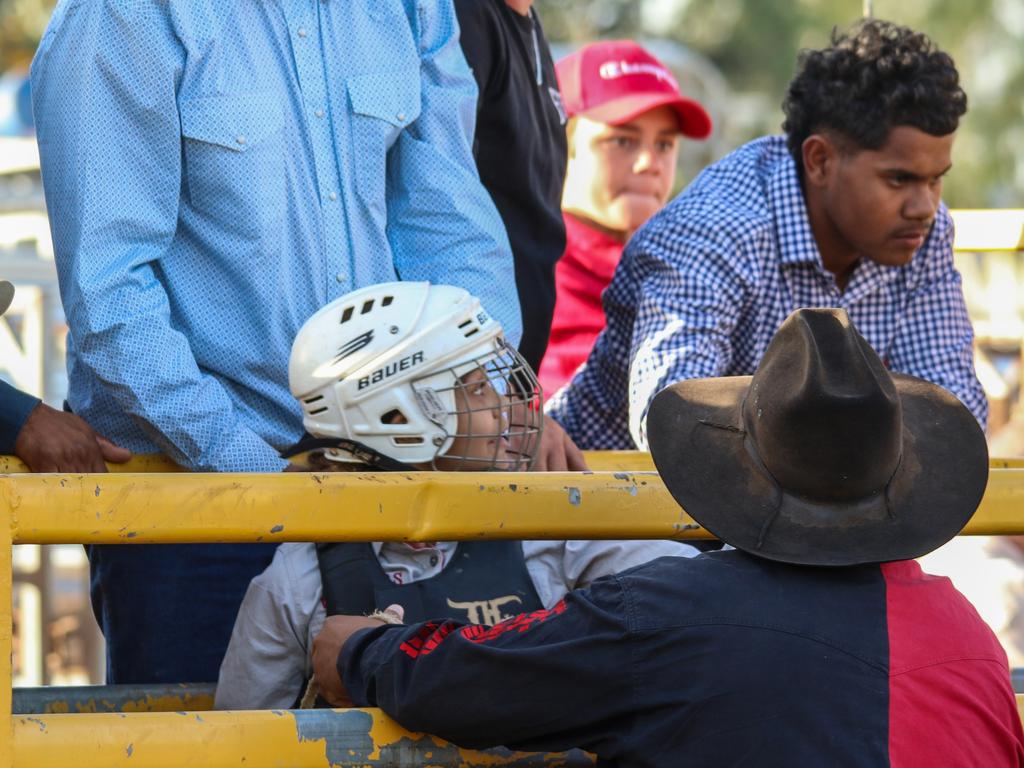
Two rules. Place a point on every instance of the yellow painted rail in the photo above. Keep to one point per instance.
(153, 508)
(259, 739)
(60, 700)
(418, 506)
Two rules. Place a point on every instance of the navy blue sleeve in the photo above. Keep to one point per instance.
(544, 681)
(15, 406)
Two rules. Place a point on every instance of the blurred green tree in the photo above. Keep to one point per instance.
(21, 25)
(755, 45)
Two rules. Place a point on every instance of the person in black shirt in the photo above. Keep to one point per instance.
(520, 150)
(520, 147)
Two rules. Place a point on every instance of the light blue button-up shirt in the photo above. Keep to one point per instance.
(218, 170)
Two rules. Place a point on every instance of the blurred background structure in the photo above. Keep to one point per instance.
(735, 56)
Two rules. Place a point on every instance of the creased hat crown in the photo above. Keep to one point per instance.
(823, 412)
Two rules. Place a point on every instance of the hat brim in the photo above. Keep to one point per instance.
(694, 121)
(6, 295)
(709, 468)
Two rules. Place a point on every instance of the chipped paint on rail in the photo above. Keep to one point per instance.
(55, 700)
(357, 737)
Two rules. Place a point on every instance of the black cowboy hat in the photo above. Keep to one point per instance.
(6, 295)
(821, 457)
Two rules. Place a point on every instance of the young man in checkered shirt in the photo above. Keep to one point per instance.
(843, 211)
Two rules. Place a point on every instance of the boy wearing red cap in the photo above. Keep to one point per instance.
(626, 115)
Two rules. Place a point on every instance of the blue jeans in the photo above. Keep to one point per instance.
(166, 610)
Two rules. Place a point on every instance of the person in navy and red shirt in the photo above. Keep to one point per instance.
(817, 641)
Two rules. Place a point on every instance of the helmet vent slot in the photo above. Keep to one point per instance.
(367, 306)
(318, 410)
(465, 323)
(472, 331)
(394, 416)
(409, 440)
(313, 399)
(386, 301)
(346, 315)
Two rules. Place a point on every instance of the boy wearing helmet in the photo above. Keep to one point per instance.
(406, 376)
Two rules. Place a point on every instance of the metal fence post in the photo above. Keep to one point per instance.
(6, 627)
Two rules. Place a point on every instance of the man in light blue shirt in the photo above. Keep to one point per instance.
(216, 171)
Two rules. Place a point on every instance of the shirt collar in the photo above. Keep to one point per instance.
(401, 552)
(589, 249)
(789, 209)
(588, 236)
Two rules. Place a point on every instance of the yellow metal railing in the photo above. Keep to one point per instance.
(622, 499)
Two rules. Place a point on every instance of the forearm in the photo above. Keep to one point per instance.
(440, 698)
(522, 683)
(675, 339)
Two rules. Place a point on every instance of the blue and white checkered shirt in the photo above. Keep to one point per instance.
(218, 171)
(704, 285)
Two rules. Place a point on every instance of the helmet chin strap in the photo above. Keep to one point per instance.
(365, 454)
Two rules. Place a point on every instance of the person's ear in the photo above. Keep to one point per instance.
(821, 158)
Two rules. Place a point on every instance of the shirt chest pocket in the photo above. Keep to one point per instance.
(383, 104)
(234, 154)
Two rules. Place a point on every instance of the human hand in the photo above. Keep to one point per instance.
(558, 453)
(327, 647)
(54, 441)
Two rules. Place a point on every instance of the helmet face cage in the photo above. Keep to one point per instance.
(497, 409)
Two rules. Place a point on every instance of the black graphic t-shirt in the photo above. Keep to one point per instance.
(520, 150)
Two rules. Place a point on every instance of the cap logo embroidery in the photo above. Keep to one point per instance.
(612, 70)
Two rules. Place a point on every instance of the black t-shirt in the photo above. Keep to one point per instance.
(520, 150)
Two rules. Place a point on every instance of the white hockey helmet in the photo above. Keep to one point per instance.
(380, 372)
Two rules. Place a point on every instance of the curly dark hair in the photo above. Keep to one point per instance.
(874, 77)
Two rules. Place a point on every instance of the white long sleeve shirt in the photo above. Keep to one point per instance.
(268, 658)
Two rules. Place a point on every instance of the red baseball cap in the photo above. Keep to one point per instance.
(614, 81)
